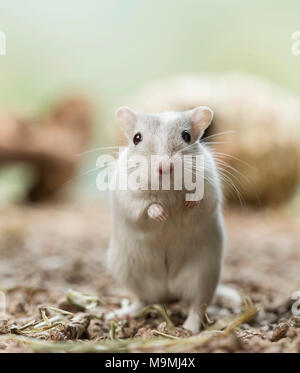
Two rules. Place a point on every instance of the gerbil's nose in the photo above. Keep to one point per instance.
(165, 167)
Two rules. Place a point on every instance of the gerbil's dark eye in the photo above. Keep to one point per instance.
(186, 136)
(137, 138)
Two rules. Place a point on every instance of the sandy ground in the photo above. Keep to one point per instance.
(46, 250)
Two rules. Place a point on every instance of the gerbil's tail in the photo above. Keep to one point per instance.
(228, 296)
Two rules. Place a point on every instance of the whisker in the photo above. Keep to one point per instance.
(244, 178)
(220, 161)
(185, 148)
(237, 159)
(81, 175)
(216, 134)
(214, 142)
(200, 174)
(226, 178)
(229, 174)
(225, 175)
(97, 149)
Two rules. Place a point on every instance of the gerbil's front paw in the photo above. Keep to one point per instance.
(190, 204)
(157, 212)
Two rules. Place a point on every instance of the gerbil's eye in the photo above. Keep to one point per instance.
(186, 136)
(137, 138)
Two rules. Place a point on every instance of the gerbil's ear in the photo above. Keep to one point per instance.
(201, 119)
(126, 117)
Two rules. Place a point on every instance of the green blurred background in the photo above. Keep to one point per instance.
(106, 49)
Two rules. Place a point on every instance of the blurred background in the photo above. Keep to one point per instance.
(105, 51)
(68, 65)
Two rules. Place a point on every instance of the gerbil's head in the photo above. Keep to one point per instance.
(164, 134)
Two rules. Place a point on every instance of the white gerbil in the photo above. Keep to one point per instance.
(163, 247)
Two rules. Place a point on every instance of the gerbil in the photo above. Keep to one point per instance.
(163, 247)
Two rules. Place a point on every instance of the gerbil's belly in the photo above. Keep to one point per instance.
(150, 256)
(178, 233)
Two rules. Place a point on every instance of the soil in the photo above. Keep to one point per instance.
(49, 249)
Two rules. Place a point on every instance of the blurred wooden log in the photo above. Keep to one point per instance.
(51, 145)
(263, 119)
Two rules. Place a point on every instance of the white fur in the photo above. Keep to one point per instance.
(177, 257)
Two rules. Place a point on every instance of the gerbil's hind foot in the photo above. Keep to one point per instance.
(191, 204)
(128, 312)
(157, 212)
(194, 319)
